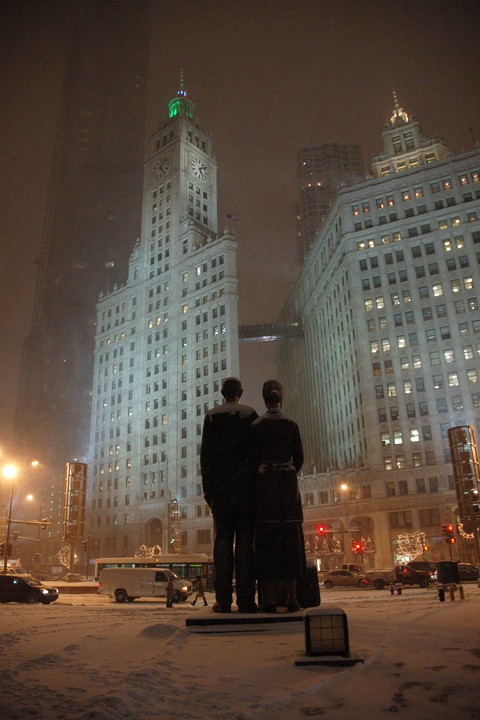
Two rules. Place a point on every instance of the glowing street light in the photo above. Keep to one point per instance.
(9, 473)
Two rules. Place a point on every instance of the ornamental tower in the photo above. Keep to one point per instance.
(165, 340)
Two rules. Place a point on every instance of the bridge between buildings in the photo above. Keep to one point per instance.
(269, 332)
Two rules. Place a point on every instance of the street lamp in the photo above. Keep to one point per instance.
(9, 473)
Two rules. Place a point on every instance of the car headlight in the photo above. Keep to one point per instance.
(45, 592)
(184, 588)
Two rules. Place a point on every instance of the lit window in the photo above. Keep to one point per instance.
(472, 376)
(391, 390)
(453, 379)
(414, 435)
(416, 360)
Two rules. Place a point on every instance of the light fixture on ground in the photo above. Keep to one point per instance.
(326, 638)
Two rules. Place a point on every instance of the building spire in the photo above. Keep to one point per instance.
(181, 104)
(399, 116)
(181, 89)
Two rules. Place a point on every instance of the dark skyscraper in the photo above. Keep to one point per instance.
(91, 224)
(322, 170)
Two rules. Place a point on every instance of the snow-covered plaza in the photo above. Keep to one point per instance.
(88, 657)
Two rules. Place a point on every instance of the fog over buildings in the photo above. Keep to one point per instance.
(86, 85)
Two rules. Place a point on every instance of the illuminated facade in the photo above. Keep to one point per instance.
(164, 342)
(390, 357)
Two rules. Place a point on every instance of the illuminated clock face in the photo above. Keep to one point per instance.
(161, 168)
(199, 169)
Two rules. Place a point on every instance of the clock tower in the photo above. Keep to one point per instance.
(164, 343)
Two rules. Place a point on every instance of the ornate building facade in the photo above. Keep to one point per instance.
(388, 299)
(164, 342)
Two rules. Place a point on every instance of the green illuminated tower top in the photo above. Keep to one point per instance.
(181, 105)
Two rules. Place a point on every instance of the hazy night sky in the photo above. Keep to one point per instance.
(266, 78)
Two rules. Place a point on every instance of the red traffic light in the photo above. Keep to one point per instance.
(357, 546)
(451, 541)
(321, 529)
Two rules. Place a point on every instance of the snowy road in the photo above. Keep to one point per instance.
(87, 657)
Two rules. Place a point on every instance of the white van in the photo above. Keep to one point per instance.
(127, 584)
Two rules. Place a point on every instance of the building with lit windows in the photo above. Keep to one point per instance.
(388, 299)
(164, 342)
(321, 171)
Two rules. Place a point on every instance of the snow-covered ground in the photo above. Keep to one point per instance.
(87, 657)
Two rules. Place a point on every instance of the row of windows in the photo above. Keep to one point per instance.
(417, 193)
(385, 345)
(408, 194)
(435, 359)
(453, 243)
(392, 488)
(401, 276)
(413, 231)
(399, 462)
(456, 285)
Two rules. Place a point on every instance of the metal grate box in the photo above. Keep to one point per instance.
(326, 631)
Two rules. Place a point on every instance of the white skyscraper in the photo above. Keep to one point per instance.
(164, 342)
(390, 356)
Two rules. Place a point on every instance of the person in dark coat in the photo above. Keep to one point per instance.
(228, 490)
(276, 455)
(199, 590)
(170, 590)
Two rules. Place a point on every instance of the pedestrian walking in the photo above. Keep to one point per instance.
(170, 592)
(200, 590)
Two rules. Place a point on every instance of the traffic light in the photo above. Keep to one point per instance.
(321, 529)
(448, 531)
(357, 546)
(45, 523)
(85, 545)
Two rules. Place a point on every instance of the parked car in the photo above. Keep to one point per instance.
(344, 577)
(73, 577)
(467, 571)
(24, 588)
(17, 570)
